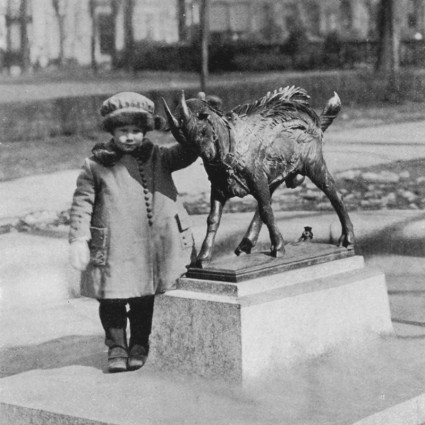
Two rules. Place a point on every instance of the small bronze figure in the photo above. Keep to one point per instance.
(254, 148)
(306, 235)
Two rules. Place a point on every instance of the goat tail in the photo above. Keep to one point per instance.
(330, 112)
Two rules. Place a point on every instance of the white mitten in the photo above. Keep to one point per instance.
(79, 254)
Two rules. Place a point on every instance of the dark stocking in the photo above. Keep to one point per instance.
(140, 316)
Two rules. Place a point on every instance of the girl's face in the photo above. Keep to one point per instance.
(128, 137)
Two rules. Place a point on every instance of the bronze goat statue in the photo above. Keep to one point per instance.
(254, 148)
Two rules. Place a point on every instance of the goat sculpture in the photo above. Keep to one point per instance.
(254, 148)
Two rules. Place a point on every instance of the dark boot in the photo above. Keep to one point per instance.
(117, 353)
(140, 315)
(113, 315)
(138, 355)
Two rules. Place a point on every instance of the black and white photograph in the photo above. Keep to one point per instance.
(212, 212)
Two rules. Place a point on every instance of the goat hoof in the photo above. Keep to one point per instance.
(202, 263)
(346, 241)
(245, 246)
(277, 253)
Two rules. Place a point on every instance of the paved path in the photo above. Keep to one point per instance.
(22, 90)
(363, 147)
(52, 355)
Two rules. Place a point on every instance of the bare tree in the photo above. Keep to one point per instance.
(389, 30)
(25, 46)
(128, 34)
(181, 12)
(60, 16)
(8, 35)
(92, 6)
(204, 23)
(115, 6)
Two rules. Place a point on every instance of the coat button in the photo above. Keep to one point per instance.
(149, 210)
(146, 197)
(146, 190)
(150, 216)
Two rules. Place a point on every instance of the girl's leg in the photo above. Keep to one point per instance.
(113, 316)
(140, 315)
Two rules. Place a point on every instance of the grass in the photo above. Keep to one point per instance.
(26, 158)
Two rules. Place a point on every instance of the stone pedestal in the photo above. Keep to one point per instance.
(250, 327)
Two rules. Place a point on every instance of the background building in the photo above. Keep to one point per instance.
(81, 31)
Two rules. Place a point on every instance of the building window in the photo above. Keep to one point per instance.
(230, 17)
(239, 17)
(413, 9)
(412, 20)
(314, 19)
(346, 15)
(219, 17)
(106, 33)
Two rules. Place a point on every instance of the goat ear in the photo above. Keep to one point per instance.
(203, 116)
(160, 123)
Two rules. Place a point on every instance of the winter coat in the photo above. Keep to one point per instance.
(128, 206)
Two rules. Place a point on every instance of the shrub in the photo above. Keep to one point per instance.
(156, 55)
(268, 61)
(11, 58)
(332, 49)
(221, 57)
(309, 58)
(296, 44)
(351, 55)
(150, 55)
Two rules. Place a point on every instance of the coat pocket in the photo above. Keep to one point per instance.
(98, 246)
(183, 221)
(186, 237)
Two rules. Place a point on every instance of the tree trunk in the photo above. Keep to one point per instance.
(129, 35)
(114, 11)
(8, 35)
(92, 6)
(204, 23)
(388, 62)
(25, 47)
(60, 18)
(181, 11)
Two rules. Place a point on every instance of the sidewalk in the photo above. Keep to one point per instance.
(31, 89)
(52, 357)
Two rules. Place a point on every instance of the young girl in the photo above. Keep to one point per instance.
(129, 233)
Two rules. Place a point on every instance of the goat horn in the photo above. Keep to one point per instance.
(172, 120)
(174, 124)
(186, 113)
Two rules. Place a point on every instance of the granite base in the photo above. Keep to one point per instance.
(240, 331)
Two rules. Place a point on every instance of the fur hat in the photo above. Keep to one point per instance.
(129, 108)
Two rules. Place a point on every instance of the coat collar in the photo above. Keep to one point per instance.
(108, 154)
